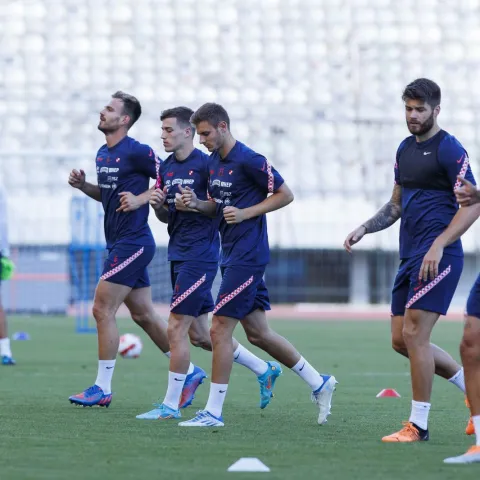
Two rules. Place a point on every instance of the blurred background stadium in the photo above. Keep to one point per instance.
(314, 85)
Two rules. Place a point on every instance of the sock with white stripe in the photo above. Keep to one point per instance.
(218, 392)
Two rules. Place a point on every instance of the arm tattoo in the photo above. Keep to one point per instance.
(388, 214)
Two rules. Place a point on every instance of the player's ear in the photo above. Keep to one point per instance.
(436, 110)
(125, 120)
(223, 126)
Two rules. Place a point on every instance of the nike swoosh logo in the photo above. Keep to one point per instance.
(221, 391)
(108, 368)
(235, 358)
(301, 368)
(178, 379)
(460, 159)
(427, 153)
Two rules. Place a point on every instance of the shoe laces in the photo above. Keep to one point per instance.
(92, 390)
(409, 429)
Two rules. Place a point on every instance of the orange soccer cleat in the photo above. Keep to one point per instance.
(409, 433)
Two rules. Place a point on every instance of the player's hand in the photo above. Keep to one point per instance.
(76, 178)
(467, 194)
(189, 197)
(180, 204)
(157, 198)
(430, 263)
(128, 202)
(353, 238)
(234, 215)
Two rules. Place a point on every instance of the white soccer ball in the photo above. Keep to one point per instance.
(130, 346)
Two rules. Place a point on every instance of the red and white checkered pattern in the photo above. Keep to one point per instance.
(232, 295)
(270, 177)
(428, 287)
(122, 265)
(462, 171)
(188, 292)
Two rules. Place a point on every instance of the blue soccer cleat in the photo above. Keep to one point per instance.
(322, 397)
(267, 382)
(7, 360)
(161, 412)
(203, 419)
(192, 382)
(92, 396)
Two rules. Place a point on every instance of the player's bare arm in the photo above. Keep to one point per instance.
(383, 219)
(461, 222)
(279, 199)
(188, 201)
(77, 179)
(130, 202)
(157, 201)
(467, 194)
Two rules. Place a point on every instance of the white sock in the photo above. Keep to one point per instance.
(174, 390)
(218, 392)
(190, 367)
(5, 347)
(307, 373)
(476, 424)
(104, 375)
(419, 415)
(458, 380)
(245, 357)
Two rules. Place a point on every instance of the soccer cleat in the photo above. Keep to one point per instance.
(472, 456)
(267, 382)
(470, 430)
(6, 360)
(322, 397)
(203, 419)
(192, 382)
(161, 412)
(409, 433)
(92, 396)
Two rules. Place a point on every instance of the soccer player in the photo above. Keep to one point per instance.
(244, 187)
(193, 251)
(468, 195)
(124, 168)
(5, 351)
(426, 169)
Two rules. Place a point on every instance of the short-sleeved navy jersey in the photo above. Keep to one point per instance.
(427, 172)
(126, 167)
(193, 236)
(242, 179)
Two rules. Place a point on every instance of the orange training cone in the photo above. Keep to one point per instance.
(388, 392)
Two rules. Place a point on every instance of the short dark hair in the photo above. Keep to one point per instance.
(131, 106)
(425, 90)
(182, 114)
(213, 113)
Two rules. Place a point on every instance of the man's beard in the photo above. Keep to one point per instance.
(422, 128)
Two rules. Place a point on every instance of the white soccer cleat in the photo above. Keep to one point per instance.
(472, 456)
(322, 397)
(203, 419)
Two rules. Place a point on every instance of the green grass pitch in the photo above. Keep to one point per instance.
(43, 436)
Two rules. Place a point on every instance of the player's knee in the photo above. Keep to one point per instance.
(100, 312)
(257, 337)
(175, 331)
(470, 346)
(201, 340)
(219, 331)
(142, 319)
(398, 344)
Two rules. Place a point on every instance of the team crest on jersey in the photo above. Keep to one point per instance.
(170, 174)
(99, 159)
(118, 159)
(190, 172)
(230, 172)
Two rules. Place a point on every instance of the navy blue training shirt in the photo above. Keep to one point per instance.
(427, 172)
(126, 167)
(193, 236)
(242, 179)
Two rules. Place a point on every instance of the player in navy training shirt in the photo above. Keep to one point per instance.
(244, 187)
(468, 194)
(431, 254)
(193, 252)
(124, 168)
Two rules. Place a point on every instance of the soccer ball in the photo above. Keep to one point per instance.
(130, 346)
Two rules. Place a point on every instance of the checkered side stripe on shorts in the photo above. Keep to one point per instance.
(270, 177)
(232, 295)
(122, 265)
(429, 286)
(462, 171)
(188, 292)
